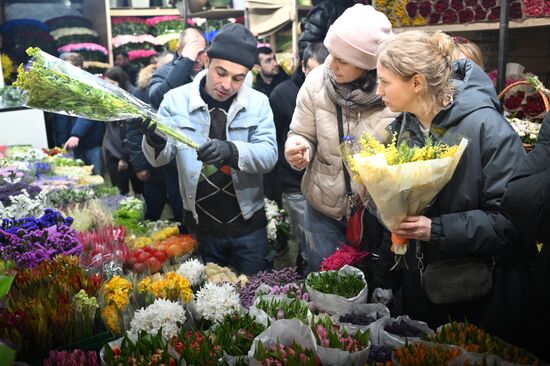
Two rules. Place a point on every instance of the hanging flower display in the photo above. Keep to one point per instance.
(128, 25)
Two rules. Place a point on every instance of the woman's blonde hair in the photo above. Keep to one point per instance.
(431, 56)
(144, 76)
(464, 48)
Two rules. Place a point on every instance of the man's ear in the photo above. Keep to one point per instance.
(257, 68)
(206, 60)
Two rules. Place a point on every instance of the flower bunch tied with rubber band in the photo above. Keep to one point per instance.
(402, 179)
(53, 85)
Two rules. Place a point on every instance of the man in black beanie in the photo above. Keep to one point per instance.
(221, 182)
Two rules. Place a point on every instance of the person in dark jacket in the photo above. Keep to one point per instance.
(527, 202)
(283, 101)
(268, 71)
(123, 61)
(154, 183)
(319, 19)
(417, 77)
(86, 141)
(119, 167)
(190, 61)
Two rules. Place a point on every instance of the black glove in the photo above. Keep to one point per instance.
(147, 127)
(215, 151)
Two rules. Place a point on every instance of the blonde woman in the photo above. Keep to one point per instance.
(418, 78)
(346, 81)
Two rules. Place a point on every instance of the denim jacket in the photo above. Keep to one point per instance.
(249, 126)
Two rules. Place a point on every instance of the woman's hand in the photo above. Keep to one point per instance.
(297, 153)
(414, 228)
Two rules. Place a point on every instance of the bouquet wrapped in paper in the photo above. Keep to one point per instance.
(401, 180)
(53, 85)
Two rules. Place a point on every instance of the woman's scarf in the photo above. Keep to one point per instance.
(351, 95)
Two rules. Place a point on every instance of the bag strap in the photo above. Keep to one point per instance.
(349, 193)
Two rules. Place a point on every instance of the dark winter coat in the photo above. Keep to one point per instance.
(134, 137)
(319, 19)
(168, 77)
(283, 101)
(261, 86)
(527, 203)
(466, 216)
(89, 132)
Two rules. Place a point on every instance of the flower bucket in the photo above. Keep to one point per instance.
(93, 343)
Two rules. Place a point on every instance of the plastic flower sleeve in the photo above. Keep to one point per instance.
(401, 181)
(53, 85)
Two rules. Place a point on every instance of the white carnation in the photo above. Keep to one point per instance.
(162, 313)
(193, 270)
(214, 301)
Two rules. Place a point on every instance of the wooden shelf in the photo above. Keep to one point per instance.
(217, 14)
(143, 12)
(476, 27)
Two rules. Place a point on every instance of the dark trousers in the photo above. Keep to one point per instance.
(173, 190)
(121, 179)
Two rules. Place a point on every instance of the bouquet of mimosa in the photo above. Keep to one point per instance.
(401, 180)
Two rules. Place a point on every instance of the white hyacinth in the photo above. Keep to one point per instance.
(162, 313)
(193, 270)
(214, 301)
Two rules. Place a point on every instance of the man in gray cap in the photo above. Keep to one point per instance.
(221, 182)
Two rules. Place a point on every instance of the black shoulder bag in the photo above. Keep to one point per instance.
(455, 280)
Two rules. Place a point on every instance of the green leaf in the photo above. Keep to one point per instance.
(7, 355)
(5, 284)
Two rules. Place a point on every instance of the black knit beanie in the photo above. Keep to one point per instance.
(234, 43)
